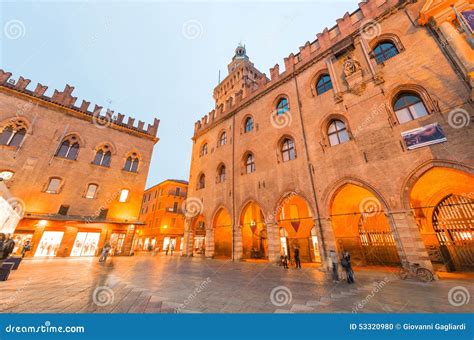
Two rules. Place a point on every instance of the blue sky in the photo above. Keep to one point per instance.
(155, 58)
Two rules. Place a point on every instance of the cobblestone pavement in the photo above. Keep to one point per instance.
(164, 284)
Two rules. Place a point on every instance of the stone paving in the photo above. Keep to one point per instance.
(165, 284)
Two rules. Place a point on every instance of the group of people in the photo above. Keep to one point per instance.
(345, 263)
(7, 245)
(284, 259)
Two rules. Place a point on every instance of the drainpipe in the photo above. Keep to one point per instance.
(313, 187)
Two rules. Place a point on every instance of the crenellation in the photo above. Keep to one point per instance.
(97, 110)
(65, 98)
(324, 39)
(119, 119)
(305, 51)
(84, 106)
(238, 96)
(275, 72)
(40, 90)
(228, 103)
(22, 83)
(4, 76)
(345, 24)
(289, 62)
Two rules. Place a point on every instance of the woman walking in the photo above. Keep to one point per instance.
(346, 264)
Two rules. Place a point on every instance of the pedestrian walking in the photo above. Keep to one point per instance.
(26, 248)
(8, 246)
(297, 258)
(105, 252)
(334, 262)
(284, 260)
(172, 250)
(167, 250)
(346, 264)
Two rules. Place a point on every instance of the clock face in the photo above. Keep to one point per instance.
(6, 175)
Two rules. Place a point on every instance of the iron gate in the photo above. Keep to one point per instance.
(453, 222)
(377, 242)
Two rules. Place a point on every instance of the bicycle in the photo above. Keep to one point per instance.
(409, 269)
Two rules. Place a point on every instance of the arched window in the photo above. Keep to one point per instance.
(337, 132)
(69, 148)
(91, 190)
(282, 106)
(409, 106)
(13, 133)
(201, 181)
(248, 125)
(222, 139)
(249, 163)
(53, 185)
(288, 152)
(103, 156)
(203, 150)
(384, 50)
(221, 173)
(323, 84)
(131, 164)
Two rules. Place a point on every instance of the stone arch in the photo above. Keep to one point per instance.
(391, 37)
(222, 231)
(419, 90)
(253, 230)
(421, 169)
(362, 224)
(440, 195)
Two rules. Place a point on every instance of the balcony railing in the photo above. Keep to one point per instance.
(177, 194)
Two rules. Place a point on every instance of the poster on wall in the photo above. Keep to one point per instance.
(423, 136)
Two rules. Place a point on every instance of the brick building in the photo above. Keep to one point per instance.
(78, 175)
(363, 143)
(163, 217)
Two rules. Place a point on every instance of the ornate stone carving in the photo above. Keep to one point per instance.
(351, 66)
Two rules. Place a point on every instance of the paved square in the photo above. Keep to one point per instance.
(165, 284)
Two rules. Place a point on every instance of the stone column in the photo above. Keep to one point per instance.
(188, 238)
(238, 251)
(409, 239)
(329, 241)
(273, 239)
(209, 242)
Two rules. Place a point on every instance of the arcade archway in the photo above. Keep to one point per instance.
(361, 227)
(222, 225)
(443, 204)
(296, 226)
(199, 235)
(254, 232)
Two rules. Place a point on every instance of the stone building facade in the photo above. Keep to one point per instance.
(363, 143)
(77, 175)
(163, 217)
